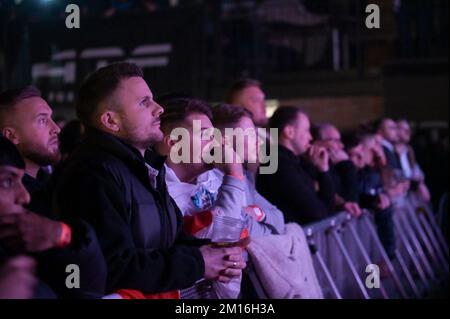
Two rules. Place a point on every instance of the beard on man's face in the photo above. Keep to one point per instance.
(141, 133)
(151, 139)
(141, 141)
(43, 156)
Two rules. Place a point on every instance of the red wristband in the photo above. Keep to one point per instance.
(65, 237)
(256, 212)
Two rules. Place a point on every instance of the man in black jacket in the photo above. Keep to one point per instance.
(368, 158)
(25, 119)
(342, 169)
(116, 183)
(301, 188)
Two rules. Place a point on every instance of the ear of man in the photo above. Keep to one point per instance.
(111, 121)
(169, 141)
(165, 146)
(288, 131)
(10, 134)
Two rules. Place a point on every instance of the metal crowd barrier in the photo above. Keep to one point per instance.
(422, 244)
(343, 247)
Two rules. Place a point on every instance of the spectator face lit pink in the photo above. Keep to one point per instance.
(34, 132)
(13, 194)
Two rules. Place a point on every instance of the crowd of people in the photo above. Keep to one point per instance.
(106, 193)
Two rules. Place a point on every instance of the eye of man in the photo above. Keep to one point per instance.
(6, 182)
(42, 120)
(145, 102)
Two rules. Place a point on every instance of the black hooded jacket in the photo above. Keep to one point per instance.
(291, 189)
(106, 182)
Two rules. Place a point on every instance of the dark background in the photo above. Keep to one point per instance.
(327, 61)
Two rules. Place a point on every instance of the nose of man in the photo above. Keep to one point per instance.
(55, 129)
(158, 110)
(22, 195)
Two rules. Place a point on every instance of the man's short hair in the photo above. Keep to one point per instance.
(176, 110)
(317, 130)
(403, 119)
(377, 125)
(352, 140)
(239, 86)
(284, 116)
(226, 115)
(356, 137)
(9, 155)
(100, 85)
(11, 97)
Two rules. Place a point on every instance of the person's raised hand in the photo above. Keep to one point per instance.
(353, 208)
(383, 201)
(337, 156)
(230, 163)
(319, 157)
(29, 232)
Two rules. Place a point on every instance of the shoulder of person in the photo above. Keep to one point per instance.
(97, 164)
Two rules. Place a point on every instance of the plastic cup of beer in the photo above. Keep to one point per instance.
(227, 231)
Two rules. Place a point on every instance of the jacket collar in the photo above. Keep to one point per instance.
(387, 145)
(119, 148)
(154, 159)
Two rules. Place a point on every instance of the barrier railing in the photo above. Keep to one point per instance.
(421, 242)
(348, 254)
(351, 261)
